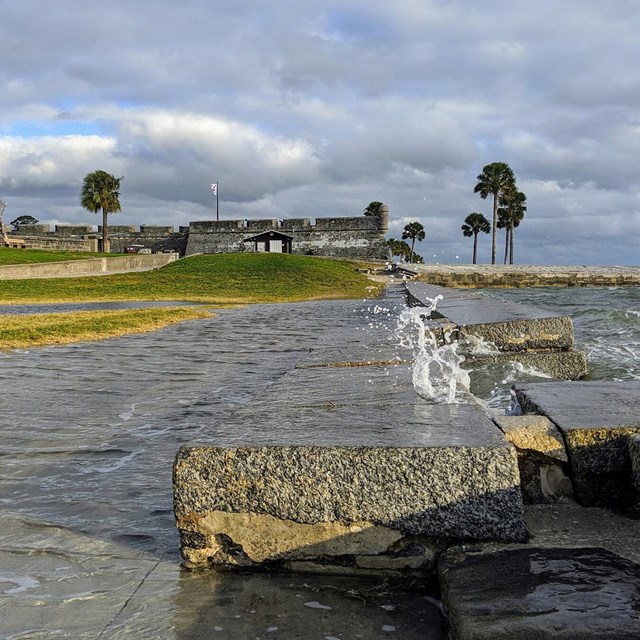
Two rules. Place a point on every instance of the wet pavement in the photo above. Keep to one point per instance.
(88, 544)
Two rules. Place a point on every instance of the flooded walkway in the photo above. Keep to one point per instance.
(88, 544)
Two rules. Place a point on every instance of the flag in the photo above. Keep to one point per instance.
(214, 188)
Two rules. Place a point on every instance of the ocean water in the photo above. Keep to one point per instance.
(606, 323)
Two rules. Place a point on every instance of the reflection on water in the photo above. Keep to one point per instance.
(89, 433)
(22, 309)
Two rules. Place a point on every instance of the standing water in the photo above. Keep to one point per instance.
(88, 544)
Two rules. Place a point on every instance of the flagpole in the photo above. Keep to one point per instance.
(214, 190)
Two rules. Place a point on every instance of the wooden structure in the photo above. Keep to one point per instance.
(271, 242)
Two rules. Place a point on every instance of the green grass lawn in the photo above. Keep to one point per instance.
(37, 330)
(29, 256)
(218, 278)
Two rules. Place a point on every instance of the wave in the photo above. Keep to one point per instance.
(606, 324)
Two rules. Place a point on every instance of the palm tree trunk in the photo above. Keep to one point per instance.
(475, 247)
(413, 241)
(105, 234)
(495, 224)
(506, 244)
(511, 245)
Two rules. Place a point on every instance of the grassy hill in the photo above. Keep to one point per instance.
(219, 278)
(214, 279)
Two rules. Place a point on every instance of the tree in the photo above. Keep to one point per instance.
(3, 233)
(496, 179)
(414, 231)
(373, 208)
(20, 221)
(101, 192)
(510, 214)
(401, 248)
(474, 224)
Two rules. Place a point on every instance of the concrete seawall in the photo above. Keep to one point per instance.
(91, 266)
(518, 333)
(479, 276)
(340, 467)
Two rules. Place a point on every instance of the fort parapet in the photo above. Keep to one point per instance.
(351, 237)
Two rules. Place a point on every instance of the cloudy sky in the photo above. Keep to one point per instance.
(316, 108)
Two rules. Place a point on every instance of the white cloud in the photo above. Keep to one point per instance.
(318, 108)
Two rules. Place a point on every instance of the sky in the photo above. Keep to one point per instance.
(316, 108)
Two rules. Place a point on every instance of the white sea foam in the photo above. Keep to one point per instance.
(437, 374)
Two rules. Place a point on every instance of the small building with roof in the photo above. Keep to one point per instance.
(271, 242)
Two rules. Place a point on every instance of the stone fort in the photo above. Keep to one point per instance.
(345, 237)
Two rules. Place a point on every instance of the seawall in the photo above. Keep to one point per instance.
(341, 468)
(92, 266)
(502, 276)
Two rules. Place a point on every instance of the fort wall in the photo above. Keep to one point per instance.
(354, 237)
(351, 237)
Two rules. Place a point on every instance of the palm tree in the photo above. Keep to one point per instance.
(510, 214)
(101, 191)
(373, 208)
(415, 231)
(399, 247)
(474, 224)
(496, 179)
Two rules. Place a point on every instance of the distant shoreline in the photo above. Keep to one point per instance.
(487, 275)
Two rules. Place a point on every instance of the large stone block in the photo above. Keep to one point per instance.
(509, 326)
(542, 458)
(533, 433)
(330, 448)
(541, 594)
(634, 454)
(561, 365)
(596, 419)
(507, 332)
